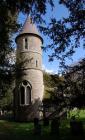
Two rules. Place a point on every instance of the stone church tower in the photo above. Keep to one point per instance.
(28, 93)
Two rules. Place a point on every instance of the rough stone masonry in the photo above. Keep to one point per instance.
(28, 93)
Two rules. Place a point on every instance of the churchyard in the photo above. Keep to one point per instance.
(42, 70)
(24, 131)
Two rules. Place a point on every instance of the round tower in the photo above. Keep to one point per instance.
(28, 93)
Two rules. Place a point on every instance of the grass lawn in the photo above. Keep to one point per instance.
(78, 113)
(10, 130)
(24, 131)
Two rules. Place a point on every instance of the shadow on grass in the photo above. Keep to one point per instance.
(10, 130)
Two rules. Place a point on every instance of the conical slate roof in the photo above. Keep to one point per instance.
(29, 28)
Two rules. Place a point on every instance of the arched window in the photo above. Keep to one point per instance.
(26, 43)
(25, 93)
(22, 95)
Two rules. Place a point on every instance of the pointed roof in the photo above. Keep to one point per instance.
(29, 28)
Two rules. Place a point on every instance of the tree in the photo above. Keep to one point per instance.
(51, 82)
(66, 33)
(9, 11)
(75, 79)
(6, 102)
(60, 32)
(54, 101)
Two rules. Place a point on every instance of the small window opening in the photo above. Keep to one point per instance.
(36, 63)
(26, 43)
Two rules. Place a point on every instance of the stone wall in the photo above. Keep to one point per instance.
(29, 68)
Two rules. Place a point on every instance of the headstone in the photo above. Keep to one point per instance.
(37, 127)
(46, 122)
(55, 126)
(76, 127)
(36, 121)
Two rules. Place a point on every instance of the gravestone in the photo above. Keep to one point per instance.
(76, 126)
(46, 122)
(55, 126)
(37, 127)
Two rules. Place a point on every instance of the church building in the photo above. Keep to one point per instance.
(28, 93)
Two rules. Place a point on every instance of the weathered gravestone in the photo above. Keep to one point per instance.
(37, 127)
(55, 126)
(46, 122)
(76, 126)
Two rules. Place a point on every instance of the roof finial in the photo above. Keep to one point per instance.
(30, 18)
(29, 15)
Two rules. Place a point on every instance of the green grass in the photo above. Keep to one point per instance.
(24, 131)
(78, 113)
